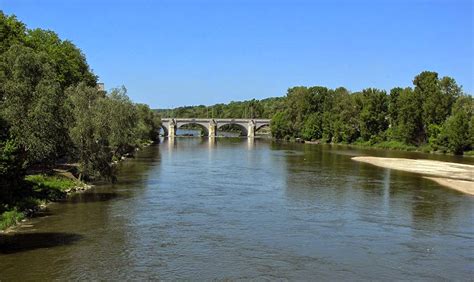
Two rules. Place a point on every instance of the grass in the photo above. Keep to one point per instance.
(41, 181)
(396, 145)
(393, 145)
(38, 189)
(469, 153)
(400, 146)
(10, 218)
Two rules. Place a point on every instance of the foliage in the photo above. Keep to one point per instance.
(373, 117)
(312, 127)
(408, 127)
(149, 123)
(265, 108)
(51, 110)
(10, 218)
(456, 132)
(280, 125)
(343, 118)
(118, 119)
(88, 131)
(51, 182)
(11, 171)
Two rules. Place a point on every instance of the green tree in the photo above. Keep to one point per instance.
(312, 127)
(67, 60)
(344, 116)
(32, 103)
(428, 89)
(450, 92)
(88, 132)
(393, 105)
(280, 125)
(409, 127)
(12, 32)
(121, 121)
(299, 104)
(12, 171)
(149, 124)
(374, 113)
(456, 131)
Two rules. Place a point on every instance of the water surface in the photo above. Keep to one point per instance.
(193, 208)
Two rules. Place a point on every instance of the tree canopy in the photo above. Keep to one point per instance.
(51, 110)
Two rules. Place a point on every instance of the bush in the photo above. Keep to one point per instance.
(10, 218)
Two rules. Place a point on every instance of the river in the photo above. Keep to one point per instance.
(237, 208)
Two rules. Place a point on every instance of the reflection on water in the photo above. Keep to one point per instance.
(237, 208)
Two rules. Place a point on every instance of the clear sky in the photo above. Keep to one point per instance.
(177, 52)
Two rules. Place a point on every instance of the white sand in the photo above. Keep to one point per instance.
(453, 175)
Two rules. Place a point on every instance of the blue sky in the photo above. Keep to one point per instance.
(177, 52)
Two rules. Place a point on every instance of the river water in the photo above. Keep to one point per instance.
(198, 209)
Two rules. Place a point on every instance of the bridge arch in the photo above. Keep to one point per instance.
(242, 127)
(165, 130)
(261, 126)
(203, 126)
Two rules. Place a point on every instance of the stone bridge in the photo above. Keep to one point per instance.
(211, 125)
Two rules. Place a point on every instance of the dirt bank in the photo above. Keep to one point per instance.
(453, 175)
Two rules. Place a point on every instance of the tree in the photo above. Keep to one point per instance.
(409, 127)
(456, 131)
(428, 89)
(374, 113)
(299, 105)
(280, 125)
(67, 60)
(88, 132)
(312, 127)
(32, 103)
(119, 120)
(12, 32)
(450, 92)
(148, 125)
(12, 171)
(393, 105)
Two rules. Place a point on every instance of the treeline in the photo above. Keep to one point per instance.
(52, 111)
(434, 114)
(245, 109)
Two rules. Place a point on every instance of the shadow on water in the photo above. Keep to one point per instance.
(22, 242)
(43, 213)
(92, 197)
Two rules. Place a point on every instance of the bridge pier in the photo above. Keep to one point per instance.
(212, 128)
(172, 128)
(251, 129)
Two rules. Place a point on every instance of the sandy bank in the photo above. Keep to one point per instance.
(453, 175)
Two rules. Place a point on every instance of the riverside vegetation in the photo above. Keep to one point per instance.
(51, 113)
(434, 115)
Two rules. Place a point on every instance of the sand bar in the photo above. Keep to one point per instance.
(453, 175)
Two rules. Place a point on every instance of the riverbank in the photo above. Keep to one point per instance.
(36, 193)
(40, 188)
(390, 145)
(456, 176)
